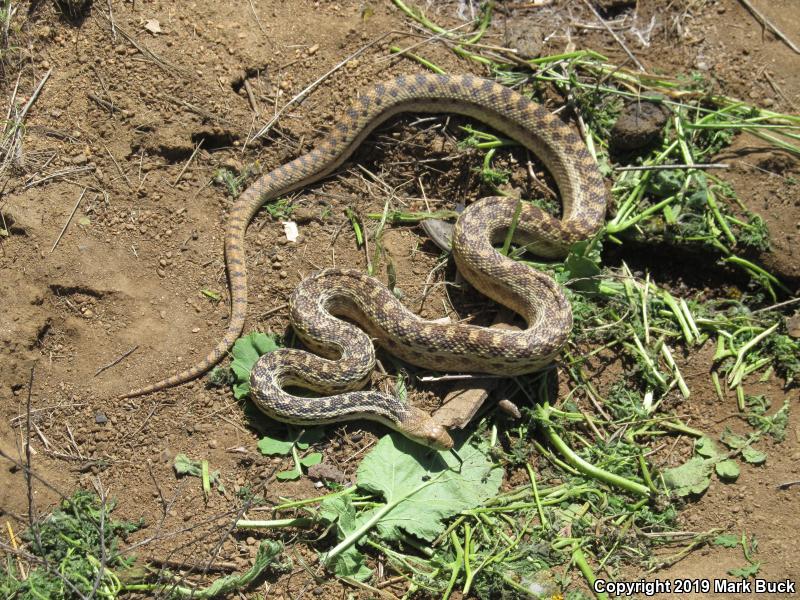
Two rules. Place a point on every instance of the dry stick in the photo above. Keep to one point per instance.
(676, 166)
(188, 162)
(777, 89)
(58, 174)
(787, 484)
(72, 214)
(769, 25)
(111, 20)
(104, 103)
(35, 95)
(613, 33)
(308, 89)
(28, 478)
(116, 360)
(199, 111)
(779, 305)
(13, 537)
(251, 97)
(155, 58)
(258, 21)
(119, 168)
(273, 310)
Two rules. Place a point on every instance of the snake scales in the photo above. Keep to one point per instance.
(345, 354)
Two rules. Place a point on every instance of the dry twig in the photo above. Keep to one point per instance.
(769, 25)
(313, 85)
(69, 219)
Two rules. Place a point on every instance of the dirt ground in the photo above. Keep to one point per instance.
(138, 124)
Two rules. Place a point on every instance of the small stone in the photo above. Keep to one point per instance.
(213, 443)
(250, 541)
(100, 418)
(163, 262)
(312, 50)
(195, 330)
(639, 124)
(283, 274)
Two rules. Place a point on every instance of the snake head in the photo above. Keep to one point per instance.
(424, 430)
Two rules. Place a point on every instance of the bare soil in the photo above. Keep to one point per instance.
(143, 122)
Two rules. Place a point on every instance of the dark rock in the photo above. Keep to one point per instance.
(524, 37)
(638, 125)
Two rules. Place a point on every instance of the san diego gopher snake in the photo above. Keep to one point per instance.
(331, 293)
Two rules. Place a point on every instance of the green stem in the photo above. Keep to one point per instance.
(542, 414)
(580, 561)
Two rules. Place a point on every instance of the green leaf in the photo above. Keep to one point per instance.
(692, 477)
(311, 459)
(288, 475)
(246, 352)
(350, 563)
(746, 572)
(274, 447)
(706, 447)
(727, 540)
(727, 470)
(753, 456)
(184, 465)
(732, 440)
(582, 267)
(211, 294)
(424, 486)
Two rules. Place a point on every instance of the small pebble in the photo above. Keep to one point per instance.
(99, 417)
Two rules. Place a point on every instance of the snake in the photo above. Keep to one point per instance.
(339, 313)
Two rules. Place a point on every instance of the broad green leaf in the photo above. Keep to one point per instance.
(186, 466)
(706, 447)
(425, 486)
(246, 351)
(727, 470)
(311, 459)
(582, 267)
(746, 572)
(692, 477)
(732, 440)
(753, 456)
(288, 475)
(340, 511)
(727, 540)
(350, 563)
(274, 447)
